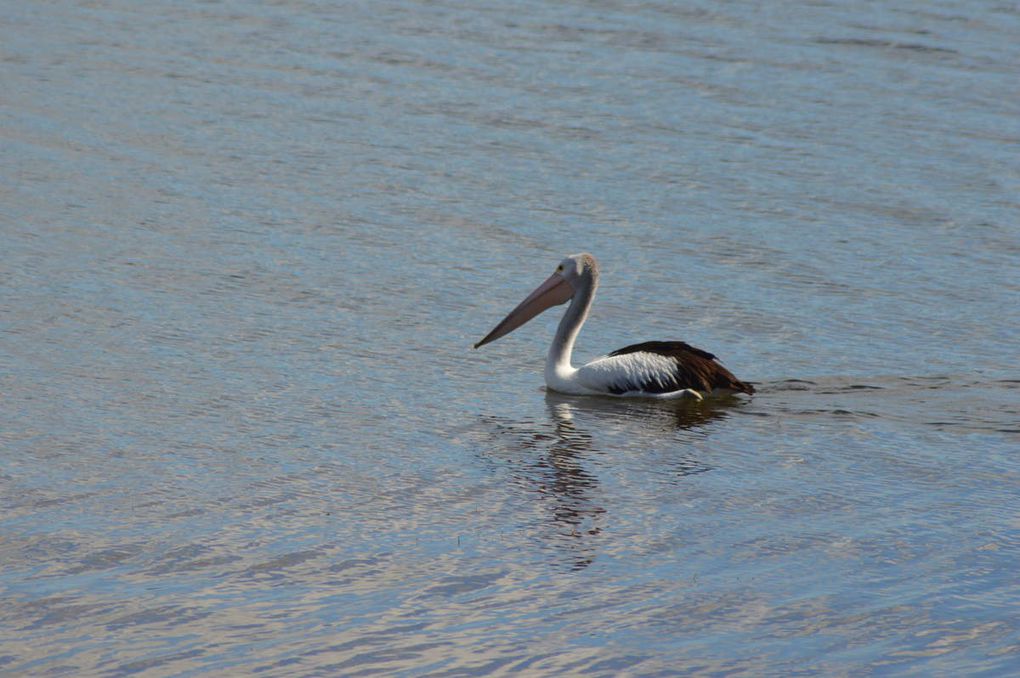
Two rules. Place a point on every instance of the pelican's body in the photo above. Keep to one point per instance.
(654, 369)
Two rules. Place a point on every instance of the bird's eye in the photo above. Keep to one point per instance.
(560, 268)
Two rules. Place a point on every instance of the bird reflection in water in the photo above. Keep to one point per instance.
(564, 458)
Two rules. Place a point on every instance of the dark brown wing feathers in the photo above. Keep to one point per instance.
(695, 368)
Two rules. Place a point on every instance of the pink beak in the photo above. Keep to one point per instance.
(553, 292)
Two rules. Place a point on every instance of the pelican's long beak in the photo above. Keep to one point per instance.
(553, 292)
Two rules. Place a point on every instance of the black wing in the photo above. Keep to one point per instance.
(695, 369)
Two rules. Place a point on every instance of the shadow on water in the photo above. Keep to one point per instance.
(648, 415)
(558, 460)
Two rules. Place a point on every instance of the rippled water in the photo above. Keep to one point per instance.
(247, 246)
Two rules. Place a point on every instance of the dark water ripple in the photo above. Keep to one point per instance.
(246, 249)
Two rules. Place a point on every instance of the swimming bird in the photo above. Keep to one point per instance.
(652, 369)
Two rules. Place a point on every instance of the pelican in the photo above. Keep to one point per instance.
(653, 369)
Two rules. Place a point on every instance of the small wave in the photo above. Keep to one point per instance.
(885, 44)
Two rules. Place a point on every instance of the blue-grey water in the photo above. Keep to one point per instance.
(245, 248)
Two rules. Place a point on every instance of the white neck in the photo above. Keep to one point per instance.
(557, 363)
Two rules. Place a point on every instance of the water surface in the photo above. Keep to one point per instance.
(246, 248)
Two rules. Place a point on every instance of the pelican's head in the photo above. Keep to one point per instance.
(574, 274)
(580, 270)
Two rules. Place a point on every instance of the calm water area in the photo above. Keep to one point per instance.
(245, 249)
